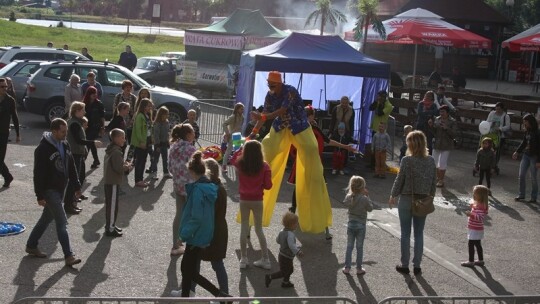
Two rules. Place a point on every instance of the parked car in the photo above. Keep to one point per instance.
(45, 89)
(160, 71)
(10, 53)
(176, 55)
(19, 71)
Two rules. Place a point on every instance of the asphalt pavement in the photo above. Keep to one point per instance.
(139, 264)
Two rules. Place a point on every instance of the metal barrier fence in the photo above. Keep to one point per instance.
(212, 114)
(469, 300)
(141, 300)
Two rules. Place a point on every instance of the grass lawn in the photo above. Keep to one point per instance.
(101, 45)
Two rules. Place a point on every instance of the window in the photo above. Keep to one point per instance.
(55, 73)
(27, 69)
(114, 78)
(33, 56)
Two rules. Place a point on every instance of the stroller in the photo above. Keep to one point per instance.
(496, 138)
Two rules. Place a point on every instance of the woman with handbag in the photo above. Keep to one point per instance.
(415, 185)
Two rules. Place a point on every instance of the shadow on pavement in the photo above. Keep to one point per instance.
(491, 283)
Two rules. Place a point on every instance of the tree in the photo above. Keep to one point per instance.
(524, 13)
(367, 15)
(326, 13)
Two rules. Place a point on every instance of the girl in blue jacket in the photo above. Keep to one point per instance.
(197, 225)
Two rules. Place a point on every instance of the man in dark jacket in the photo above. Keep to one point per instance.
(53, 170)
(8, 112)
(128, 59)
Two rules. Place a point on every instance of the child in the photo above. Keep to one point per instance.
(182, 148)
(141, 138)
(217, 251)
(119, 119)
(381, 143)
(359, 204)
(161, 141)
(254, 176)
(475, 225)
(485, 161)
(192, 120)
(231, 125)
(406, 130)
(287, 250)
(113, 172)
(197, 225)
(340, 155)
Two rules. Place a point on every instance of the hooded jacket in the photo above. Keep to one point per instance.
(113, 166)
(197, 223)
(51, 172)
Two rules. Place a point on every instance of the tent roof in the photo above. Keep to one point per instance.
(472, 10)
(528, 40)
(303, 53)
(243, 22)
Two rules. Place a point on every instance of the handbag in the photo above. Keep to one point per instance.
(421, 205)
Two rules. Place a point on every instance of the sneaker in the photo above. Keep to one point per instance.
(167, 175)
(118, 229)
(113, 233)
(267, 280)
(71, 260)
(287, 284)
(95, 165)
(35, 252)
(83, 197)
(243, 263)
(178, 293)
(8, 181)
(141, 184)
(467, 264)
(178, 251)
(417, 270)
(334, 172)
(341, 172)
(479, 263)
(360, 271)
(153, 176)
(328, 236)
(346, 270)
(519, 198)
(263, 263)
(403, 270)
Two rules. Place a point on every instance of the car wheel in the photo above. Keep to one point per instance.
(54, 110)
(177, 115)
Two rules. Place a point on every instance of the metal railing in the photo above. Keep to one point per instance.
(464, 299)
(212, 113)
(145, 300)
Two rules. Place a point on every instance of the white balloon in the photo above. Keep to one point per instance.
(484, 127)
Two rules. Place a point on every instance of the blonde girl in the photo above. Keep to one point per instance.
(161, 141)
(143, 93)
(182, 136)
(231, 125)
(254, 176)
(359, 204)
(475, 225)
(141, 138)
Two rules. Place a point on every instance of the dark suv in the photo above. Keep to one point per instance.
(45, 89)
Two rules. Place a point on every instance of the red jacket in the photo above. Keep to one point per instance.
(251, 187)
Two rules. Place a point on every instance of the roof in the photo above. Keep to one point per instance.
(473, 10)
(303, 53)
(528, 40)
(243, 22)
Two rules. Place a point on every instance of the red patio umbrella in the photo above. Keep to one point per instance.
(528, 40)
(420, 26)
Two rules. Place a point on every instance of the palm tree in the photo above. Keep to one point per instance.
(367, 14)
(327, 14)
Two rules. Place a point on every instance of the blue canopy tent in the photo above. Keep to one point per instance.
(316, 64)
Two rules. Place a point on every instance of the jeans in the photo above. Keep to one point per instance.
(528, 162)
(221, 274)
(286, 268)
(164, 151)
(53, 210)
(3, 148)
(406, 220)
(356, 232)
(140, 162)
(180, 203)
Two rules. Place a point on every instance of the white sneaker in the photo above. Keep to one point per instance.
(243, 263)
(178, 293)
(341, 172)
(334, 172)
(263, 264)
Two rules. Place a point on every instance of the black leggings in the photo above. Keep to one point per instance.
(286, 268)
(479, 250)
(190, 272)
(487, 172)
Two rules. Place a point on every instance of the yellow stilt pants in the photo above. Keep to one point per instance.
(313, 203)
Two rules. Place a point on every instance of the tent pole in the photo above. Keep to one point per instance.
(499, 68)
(414, 67)
(325, 98)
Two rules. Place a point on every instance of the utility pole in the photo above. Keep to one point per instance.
(129, 16)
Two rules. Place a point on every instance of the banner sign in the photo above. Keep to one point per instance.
(205, 74)
(214, 41)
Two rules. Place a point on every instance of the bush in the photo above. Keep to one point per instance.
(59, 13)
(12, 16)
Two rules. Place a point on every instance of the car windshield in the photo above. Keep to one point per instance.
(7, 68)
(147, 64)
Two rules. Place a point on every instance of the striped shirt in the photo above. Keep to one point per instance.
(476, 218)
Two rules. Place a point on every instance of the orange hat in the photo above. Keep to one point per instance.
(274, 76)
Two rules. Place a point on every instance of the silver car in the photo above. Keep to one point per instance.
(20, 71)
(45, 89)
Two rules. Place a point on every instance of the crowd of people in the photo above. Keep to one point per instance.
(199, 227)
